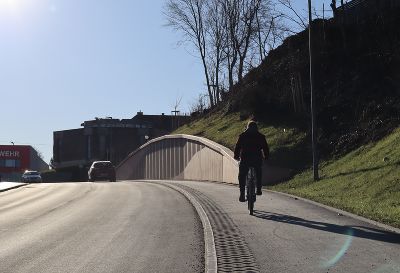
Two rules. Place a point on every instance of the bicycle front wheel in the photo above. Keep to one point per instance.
(250, 197)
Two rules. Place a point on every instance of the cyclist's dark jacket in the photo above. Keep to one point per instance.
(249, 146)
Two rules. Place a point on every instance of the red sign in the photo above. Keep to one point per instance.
(14, 158)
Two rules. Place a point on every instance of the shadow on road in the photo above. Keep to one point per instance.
(355, 231)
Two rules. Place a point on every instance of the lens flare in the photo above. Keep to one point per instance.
(11, 8)
(342, 251)
(19, 13)
(9, 4)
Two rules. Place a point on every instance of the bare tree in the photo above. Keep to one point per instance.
(271, 31)
(245, 21)
(241, 16)
(293, 15)
(39, 154)
(188, 17)
(217, 41)
(176, 112)
(228, 35)
(230, 18)
(242, 40)
(177, 103)
(199, 105)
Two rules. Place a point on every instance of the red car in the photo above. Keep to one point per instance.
(102, 170)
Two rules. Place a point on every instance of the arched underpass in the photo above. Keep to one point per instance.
(187, 157)
(180, 157)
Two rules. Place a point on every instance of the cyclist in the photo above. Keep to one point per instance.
(251, 148)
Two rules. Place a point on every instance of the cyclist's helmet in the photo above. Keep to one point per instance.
(252, 125)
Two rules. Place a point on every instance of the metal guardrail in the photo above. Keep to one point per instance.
(358, 9)
(352, 4)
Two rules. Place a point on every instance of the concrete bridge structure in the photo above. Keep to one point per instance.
(187, 157)
(180, 157)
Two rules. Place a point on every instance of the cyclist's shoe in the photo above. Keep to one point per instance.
(242, 198)
(259, 192)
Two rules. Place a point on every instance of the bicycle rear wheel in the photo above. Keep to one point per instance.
(251, 196)
(251, 206)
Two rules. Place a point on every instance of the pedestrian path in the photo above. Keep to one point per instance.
(287, 234)
(4, 185)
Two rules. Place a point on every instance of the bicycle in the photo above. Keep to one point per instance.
(251, 189)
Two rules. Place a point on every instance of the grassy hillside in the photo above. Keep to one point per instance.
(357, 88)
(286, 144)
(365, 181)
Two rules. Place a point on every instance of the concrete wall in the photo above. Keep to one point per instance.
(180, 157)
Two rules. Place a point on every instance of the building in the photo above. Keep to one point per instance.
(15, 159)
(108, 139)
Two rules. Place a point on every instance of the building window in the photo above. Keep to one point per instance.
(10, 163)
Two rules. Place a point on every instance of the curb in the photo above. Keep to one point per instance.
(340, 212)
(12, 187)
(209, 244)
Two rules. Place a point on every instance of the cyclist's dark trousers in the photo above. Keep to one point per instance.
(244, 169)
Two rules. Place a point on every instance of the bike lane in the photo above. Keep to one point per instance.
(291, 235)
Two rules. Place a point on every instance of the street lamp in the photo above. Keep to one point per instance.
(313, 110)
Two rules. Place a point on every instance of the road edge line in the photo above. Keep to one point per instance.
(339, 211)
(13, 187)
(333, 209)
(209, 244)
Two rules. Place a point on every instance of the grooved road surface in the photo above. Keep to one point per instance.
(98, 227)
(288, 235)
(147, 227)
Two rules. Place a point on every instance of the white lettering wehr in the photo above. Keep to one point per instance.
(9, 153)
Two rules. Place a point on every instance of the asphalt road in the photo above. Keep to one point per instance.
(148, 227)
(99, 227)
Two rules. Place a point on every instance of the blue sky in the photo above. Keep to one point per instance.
(66, 61)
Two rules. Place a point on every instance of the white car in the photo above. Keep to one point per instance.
(31, 176)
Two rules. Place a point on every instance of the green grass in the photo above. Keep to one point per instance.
(217, 127)
(284, 142)
(365, 182)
